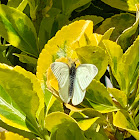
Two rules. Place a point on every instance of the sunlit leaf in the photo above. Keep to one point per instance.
(63, 44)
(96, 39)
(126, 5)
(11, 136)
(83, 120)
(129, 64)
(36, 87)
(86, 123)
(128, 123)
(119, 22)
(18, 30)
(13, 82)
(10, 113)
(99, 97)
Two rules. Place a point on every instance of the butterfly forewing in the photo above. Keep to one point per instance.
(61, 72)
(85, 74)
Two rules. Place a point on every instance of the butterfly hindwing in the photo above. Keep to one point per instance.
(85, 74)
(78, 94)
(61, 72)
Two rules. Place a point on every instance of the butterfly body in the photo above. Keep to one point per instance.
(73, 81)
(72, 72)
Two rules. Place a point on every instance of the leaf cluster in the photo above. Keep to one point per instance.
(36, 33)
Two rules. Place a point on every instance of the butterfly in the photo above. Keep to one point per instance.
(73, 81)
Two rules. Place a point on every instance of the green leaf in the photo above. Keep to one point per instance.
(14, 3)
(119, 22)
(123, 65)
(128, 65)
(125, 39)
(46, 27)
(99, 97)
(94, 55)
(119, 95)
(94, 18)
(69, 6)
(94, 134)
(67, 131)
(4, 59)
(106, 35)
(18, 30)
(137, 120)
(23, 91)
(54, 105)
(126, 5)
(10, 112)
(24, 58)
(63, 127)
(126, 122)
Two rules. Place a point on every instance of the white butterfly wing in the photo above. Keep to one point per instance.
(78, 94)
(61, 72)
(85, 74)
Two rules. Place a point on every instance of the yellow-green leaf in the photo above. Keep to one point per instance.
(94, 55)
(63, 44)
(99, 98)
(18, 30)
(36, 87)
(20, 90)
(8, 108)
(114, 52)
(54, 105)
(57, 118)
(123, 120)
(119, 95)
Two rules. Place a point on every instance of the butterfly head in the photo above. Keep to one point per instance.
(73, 64)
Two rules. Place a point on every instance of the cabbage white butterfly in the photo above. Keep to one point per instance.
(73, 81)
